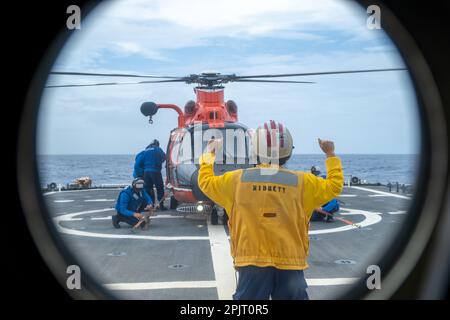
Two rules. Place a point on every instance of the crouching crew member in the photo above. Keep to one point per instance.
(326, 211)
(130, 203)
(269, 208)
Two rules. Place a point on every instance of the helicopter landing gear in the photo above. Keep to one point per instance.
(214, 217)
(173, 203)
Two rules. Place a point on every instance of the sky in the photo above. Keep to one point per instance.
(362, 113)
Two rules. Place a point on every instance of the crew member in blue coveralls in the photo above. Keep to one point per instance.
(138, 170)
(328, 209)
(152, 161)
(131, 202)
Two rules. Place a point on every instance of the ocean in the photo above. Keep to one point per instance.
(118, 169)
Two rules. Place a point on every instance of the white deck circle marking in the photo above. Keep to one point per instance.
(370, 218)
(70, 217)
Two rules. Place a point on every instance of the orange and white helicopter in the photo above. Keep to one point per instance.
(210, 116)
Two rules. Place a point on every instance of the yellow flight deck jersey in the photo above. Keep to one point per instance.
(269, 210)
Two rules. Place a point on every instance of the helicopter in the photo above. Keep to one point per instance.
(209, 116)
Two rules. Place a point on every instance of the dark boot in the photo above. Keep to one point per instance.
(330, 218)
(115, 221)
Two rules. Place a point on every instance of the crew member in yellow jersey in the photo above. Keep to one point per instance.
(269, 208)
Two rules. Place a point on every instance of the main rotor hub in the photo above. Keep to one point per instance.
(210, 79)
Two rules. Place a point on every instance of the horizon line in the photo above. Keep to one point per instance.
(294, 154)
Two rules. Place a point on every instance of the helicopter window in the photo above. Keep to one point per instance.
(181, 149)
(213, 115)
(234, 144)
(185, 149)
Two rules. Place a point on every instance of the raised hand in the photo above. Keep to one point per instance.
(327, 147)
(214, 145)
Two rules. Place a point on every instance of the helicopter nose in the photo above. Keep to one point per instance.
(198, 194)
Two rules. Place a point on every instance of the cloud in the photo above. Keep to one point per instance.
(150, 28)
(242, 37)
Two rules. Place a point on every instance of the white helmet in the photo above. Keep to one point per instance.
(272, 142)
(138, 183)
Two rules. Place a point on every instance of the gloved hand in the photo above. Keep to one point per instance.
(137, 215)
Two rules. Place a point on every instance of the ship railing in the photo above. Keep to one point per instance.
(390, 186)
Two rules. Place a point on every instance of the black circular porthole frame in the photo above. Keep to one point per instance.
(396, 264)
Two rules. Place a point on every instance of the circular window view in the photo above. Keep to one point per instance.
(229, 150)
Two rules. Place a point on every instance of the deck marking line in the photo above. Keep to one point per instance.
(101, 218)
(348, 195)
(70, 217)
(84, 190)
(222, 262)
(331, 281)
(213, 284)
(382, 192)
(63, 201)
(99, 200)
(163, 216)
(160, 285)
(125, 236)
(397, 212)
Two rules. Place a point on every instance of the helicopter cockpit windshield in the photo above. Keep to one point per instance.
(235, 148)
(187, 145)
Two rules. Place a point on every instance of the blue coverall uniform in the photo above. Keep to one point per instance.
(138, 170)
(129, 202)
(152, 161)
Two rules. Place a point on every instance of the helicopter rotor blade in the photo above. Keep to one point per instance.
(272, 81)
(70, 73)
(316, 73)
(207, 79)
(111, 83)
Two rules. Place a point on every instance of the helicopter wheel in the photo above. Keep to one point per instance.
(173, 203)
(214, 217)
(225, 218)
